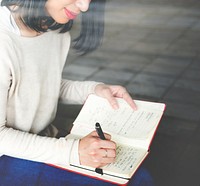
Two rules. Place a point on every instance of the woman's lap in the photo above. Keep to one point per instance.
(19, 172)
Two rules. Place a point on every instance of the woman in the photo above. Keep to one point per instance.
(35, 40)
(34, 46)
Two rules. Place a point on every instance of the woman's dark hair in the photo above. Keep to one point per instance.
(33, 14)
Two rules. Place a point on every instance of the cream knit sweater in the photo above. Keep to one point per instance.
(30, 86)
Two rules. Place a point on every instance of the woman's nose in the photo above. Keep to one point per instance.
(83, 5)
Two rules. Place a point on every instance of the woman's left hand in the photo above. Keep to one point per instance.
(110, 92)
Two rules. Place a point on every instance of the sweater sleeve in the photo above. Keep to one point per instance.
(17, 143)
(76, 91)
(25, 145)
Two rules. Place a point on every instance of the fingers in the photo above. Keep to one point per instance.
(99, 143)
(107, 136)
(106, 92)
(111, 92)
(126, 96)
(111, 99)
(103, 157)
(95, 152)
(107, 153)
(121, 92)
(103, 143)
(104, 153)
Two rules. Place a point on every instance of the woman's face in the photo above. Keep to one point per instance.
(64, 10)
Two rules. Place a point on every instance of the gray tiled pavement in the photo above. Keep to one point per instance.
(152, 48)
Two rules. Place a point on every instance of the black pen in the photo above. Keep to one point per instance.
(101, 135)
(99, 131)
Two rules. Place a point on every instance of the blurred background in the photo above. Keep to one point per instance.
(152, 47)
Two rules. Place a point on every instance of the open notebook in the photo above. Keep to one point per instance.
(131, 130)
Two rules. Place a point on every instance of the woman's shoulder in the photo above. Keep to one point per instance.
(5, 37)
(7, 23)
(7, 42)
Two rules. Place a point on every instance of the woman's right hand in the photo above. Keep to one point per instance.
(95, 152)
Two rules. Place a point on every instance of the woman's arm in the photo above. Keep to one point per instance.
(14, 141)
(76, 91)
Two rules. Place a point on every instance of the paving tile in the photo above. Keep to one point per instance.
(188, 166)
(180, 3)
(111, 29)
(132, 67)
(117, 15)
(110, 81)
(120, 76)
(147, 90)
(152, 79)
(119, 46)
(154, 20)
(164, 154)
(189, 84)
(184, 96)
(196, 137)
(152, 48)
(162, 35)
(80, 70)
(129, 35)
(189, 44)
(163, 43)
(165, 70)
(180, 22)
(196, 64)
(179, 51)
(174, 126)
(192, 35)
(108, 55)
(92, 62)
(133, 33)
(135, 57)
(171, 61)
(196, 27)
(74, 77)
(185, 111)
(192, 74)
(130, 62)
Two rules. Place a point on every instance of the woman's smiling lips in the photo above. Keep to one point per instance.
(70, 15)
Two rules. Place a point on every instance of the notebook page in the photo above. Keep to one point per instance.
(124, 121)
